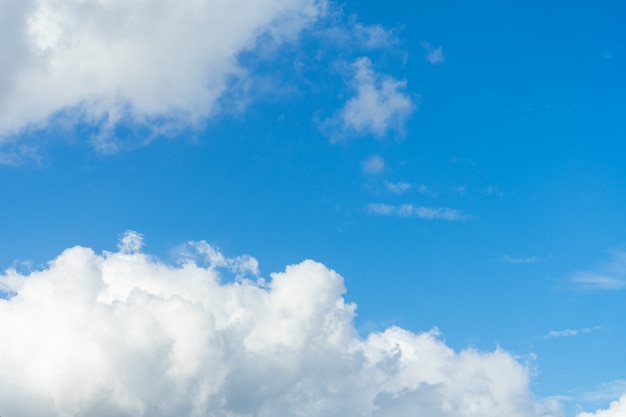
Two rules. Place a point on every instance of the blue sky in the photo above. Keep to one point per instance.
(459, 164)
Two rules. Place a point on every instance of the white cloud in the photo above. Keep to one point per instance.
(378, 107)
(161, 62)
(605, 392)
(616, 409)
(570, 332)
(609, 276)
(410, 210)
(590, 281)
(130, 242)
(373, 165)
(123, 334)
(508, 259)
(433, 55)
(397, 187)
(430, 213)
(374, 36)
(561, 333)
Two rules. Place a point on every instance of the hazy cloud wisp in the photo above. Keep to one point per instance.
(379, 106)
(411, 210)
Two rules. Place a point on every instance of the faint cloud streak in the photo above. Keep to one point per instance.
(570, 332)
(508, 259)
(410, 210)
(434, 55)
(373, 165)
(608, 276)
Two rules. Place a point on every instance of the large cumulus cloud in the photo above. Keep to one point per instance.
(150, 61)
(123, 334)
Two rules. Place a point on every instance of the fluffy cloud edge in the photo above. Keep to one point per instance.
(164, 65)
(113, 333)
(380, 105)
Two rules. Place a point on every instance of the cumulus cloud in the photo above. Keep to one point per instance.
(160, 62)
(121, 333)
(379, 105)
(410, 210)
(616, 409)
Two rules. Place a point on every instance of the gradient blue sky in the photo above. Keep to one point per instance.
(484, 194)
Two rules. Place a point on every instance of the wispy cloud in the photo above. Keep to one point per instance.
(434, 55)
(609, 276)
(381, 209)
(422, 189)
(508, 259)
(492, 190)
(374, 36)
(373, 165)
(606, 392)
(570, 332)
(591, 281)
(410, 210)
(616, 409)
(397, 187)
(380, 105)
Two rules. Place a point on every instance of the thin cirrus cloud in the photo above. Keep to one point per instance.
(570, 332)
(380, 105)
(605, 392)
(410, 210)
(508, 259)
(434, 55)
(373, 165)
(616, 409)
(121, 333)
(609, 276)
(162, 64)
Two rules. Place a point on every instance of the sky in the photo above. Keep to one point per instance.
(312, 208)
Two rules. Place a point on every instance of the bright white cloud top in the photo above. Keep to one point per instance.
(146, 61)
(124, 334)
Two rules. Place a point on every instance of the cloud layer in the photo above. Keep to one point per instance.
(161, 62)
(124, 334)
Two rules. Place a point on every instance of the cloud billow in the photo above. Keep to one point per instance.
(158, 63)
(124, 334)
